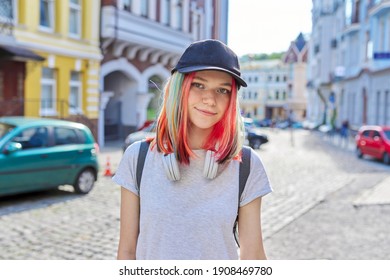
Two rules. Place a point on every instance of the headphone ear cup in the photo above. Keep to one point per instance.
(171, 167)
(210, 166)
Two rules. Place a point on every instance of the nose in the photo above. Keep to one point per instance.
(208, 98)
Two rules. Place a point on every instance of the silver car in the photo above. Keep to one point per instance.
(144, 133)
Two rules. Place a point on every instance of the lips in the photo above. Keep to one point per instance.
(205, 112)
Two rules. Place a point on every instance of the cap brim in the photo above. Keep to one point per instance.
(194, 68)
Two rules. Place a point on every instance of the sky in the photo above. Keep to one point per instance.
(266, 26)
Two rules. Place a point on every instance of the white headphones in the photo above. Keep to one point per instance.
(171, 166)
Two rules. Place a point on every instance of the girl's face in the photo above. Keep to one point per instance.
(208, 99)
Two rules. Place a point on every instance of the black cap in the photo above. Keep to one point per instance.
(210, 55)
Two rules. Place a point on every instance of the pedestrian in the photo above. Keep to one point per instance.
(344, 132)
(182, 208)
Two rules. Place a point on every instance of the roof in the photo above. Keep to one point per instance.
(22, 121)
(300, 42)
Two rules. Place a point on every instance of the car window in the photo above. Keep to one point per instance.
(366, 133)
(5, 128)
(387, 134)
(376, 134)
(66, 136)
(30, 138)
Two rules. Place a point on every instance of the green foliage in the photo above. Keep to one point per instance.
(151, 114)
(261, 56)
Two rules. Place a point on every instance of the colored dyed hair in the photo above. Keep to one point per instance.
(226, 138)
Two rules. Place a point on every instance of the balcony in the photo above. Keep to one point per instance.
(379, 9)
(129, 35)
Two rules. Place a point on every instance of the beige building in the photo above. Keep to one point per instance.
(276, 88)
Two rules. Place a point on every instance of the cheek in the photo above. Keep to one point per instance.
(192, 98)
(224, 101)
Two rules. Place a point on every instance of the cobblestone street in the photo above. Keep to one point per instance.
(310, 215)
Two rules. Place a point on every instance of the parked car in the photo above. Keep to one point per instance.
(146, 132)
(374, 141)
(255, 137)
(39, 153)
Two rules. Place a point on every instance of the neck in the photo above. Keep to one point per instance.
(197, 137)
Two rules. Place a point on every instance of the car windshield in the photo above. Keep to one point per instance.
(5, 128)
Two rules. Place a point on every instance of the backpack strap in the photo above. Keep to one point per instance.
(245, 168)
(143, 150)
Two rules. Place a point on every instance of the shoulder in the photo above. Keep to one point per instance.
(133, 149)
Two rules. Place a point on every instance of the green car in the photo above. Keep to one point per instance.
(39, 153)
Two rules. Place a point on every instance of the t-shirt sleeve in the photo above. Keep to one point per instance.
(258, 184)
(125, 175)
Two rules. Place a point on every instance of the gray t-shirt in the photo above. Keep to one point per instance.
(192, 218)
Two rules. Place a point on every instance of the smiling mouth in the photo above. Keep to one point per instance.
(205, 112)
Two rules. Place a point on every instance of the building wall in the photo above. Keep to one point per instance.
(63, 53)
(358, 66)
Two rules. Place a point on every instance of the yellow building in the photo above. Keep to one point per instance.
(66, 33)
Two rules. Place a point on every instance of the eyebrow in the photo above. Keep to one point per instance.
(205, 80)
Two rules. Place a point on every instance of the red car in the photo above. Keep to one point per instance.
(374, 140)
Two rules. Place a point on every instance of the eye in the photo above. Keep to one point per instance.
(198, 85)
(224, 91)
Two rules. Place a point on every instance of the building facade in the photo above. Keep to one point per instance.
(296, 58)
(265, 96)
(13, 59)
(349, 77)
(276, 88)
(141, 42)
(65, 83)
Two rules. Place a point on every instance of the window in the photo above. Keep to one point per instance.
(126, 5)
(348, 12)
(167, 12)
(179, 15)
(6, 11)
(48, 92)
(46, 17)
(67, 136)
(75, 18)
(144, 8)
(36, 137)
(75, 93)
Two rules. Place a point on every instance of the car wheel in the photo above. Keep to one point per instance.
(359, 152)
(386, 158)
(85, 181)
(256, 143)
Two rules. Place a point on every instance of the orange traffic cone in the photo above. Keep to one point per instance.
(107, 172)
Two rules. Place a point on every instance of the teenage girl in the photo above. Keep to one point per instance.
(186, 205)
